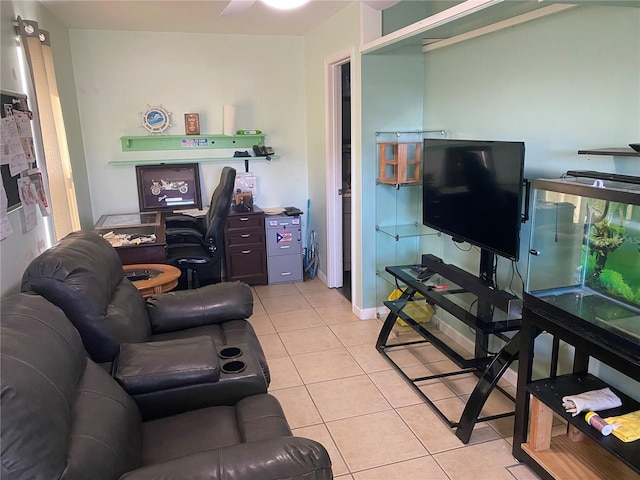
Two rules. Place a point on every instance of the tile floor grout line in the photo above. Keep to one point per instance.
(346, 345)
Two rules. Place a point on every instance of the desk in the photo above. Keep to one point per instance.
(162, 278)
(489, 368)
(145, 223)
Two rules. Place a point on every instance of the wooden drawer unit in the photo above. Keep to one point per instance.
(244, 240)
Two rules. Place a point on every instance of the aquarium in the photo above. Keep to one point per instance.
(584, 257)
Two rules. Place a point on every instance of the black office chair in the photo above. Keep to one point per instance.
(196, 244)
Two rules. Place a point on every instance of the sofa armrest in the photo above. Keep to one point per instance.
(155, 366)
(207, 305)
(285, 457)
(241, 376)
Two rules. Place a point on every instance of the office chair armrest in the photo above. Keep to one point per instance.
(207, 305)
(184, 235)
(184, 221)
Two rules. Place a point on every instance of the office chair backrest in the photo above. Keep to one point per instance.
(219, 208)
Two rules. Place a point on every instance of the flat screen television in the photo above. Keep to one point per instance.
(472, 191)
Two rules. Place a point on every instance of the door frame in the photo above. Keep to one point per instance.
(333, 118)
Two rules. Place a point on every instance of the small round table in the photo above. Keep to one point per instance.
(162, 278)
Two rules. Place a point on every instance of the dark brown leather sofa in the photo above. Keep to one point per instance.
(64, 417)
(82, 274)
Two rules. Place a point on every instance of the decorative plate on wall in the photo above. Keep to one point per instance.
(155, 119)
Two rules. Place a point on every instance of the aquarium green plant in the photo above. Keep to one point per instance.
(604, 237)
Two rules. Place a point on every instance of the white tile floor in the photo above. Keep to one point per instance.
(336, 388)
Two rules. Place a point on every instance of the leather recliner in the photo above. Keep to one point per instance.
(82, 274)
(63, 417)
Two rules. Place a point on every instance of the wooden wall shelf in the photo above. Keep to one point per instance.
(183, 160)
(189, 142)
(399, 162)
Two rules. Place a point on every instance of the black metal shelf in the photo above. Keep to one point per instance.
(442, 299)
(611, 151)
(488, 367)
(397, 306)
(589, 341)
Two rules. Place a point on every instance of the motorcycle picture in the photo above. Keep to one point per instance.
(163, 185)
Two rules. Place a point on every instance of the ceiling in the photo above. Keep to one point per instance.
(193, 16)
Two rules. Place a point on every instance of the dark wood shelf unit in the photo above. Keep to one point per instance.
(565, 456)
(245, 247)
(611, 151)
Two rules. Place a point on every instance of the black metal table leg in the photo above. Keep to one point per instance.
(528, 334)
(390, 321)
(485, 385)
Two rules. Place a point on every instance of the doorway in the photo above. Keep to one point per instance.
(338, 76)
(345, 142)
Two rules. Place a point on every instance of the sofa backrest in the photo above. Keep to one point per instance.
(62, 416)
(82, 274)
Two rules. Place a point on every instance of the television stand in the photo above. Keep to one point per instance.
(488, 367)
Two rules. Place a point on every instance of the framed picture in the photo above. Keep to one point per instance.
(192, 124)
(168, 187)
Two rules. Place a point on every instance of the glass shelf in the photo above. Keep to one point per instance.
(401, 238)
(403, 231)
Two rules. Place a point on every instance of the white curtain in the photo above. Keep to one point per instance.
(37, 50)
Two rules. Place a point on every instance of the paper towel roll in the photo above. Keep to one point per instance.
(228, 120)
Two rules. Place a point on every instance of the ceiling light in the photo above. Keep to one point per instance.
(285, 4)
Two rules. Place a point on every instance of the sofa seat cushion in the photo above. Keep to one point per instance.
(254, 418)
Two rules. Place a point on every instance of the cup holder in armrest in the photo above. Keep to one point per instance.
(235, 366)
(230, 352)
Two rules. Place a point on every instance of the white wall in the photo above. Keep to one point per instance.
(338, 36)
(118, 73)
(18, 249)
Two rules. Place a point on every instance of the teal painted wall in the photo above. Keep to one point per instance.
(562, 83)
(392, 101)
(408, 12)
